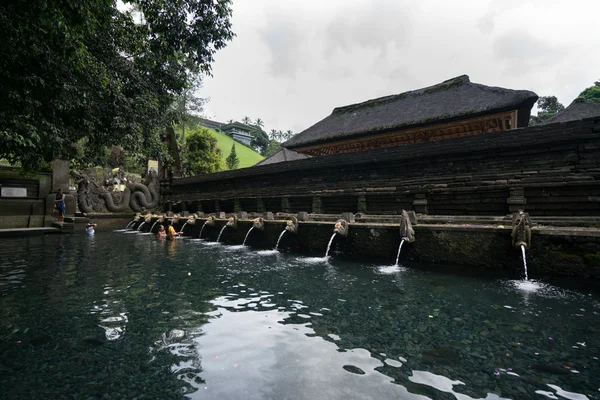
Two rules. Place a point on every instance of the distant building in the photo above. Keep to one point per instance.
(455, 107)
(237, 130)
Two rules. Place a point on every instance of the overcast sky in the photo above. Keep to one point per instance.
(293, 61)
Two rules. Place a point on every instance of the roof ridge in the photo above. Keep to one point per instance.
(444, 85)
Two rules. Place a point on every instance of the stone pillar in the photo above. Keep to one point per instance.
(60, 180)
(237, 206)
(516, 199)
(268, 216)
(200, 209)
(317, 205)
(184, 210)
(285, 205)
(260, 205)
(362, 203)
(217, 207)
(420, 203)
(348, 217)
(302, 216)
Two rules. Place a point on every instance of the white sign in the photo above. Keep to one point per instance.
(13, 192)
(153, 165)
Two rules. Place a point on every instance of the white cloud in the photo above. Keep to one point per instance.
(293, 61)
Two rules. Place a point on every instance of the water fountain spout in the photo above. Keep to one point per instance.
(521, 229)
(140, 227)
(232, 222)
(341, 227)
(292, 225)
(210, 221)
(521, 235)
(201, 229)
(407, 233)
(220, 233)
(259, 224)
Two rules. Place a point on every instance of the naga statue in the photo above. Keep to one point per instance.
(98, 194)
(341, 227)
(407, 233)
(521, 229)
(292, 225)
(232, 222)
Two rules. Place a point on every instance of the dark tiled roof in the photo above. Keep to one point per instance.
(450, 100)
(578, 109)
(210, 124)
(282, 156)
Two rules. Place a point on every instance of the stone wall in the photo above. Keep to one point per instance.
(24, 212)
(550, 170)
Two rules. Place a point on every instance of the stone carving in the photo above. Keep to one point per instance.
(521, 229)
(98, 195)
(292, 225)
(407, 233)
(232, 222)
(258, 223)
(341, 227)
(210, 221)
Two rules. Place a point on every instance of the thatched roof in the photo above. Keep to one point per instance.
(578, 109)
(282, 156)
(450, 100)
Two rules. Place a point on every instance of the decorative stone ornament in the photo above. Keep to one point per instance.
(292, 225)
(407, 233)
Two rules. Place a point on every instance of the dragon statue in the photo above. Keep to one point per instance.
(98, 195)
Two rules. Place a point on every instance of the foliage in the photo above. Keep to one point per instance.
(272, 148)
(259, 122)
(85, 73)
(280, 136)
(232, 160)
(188, 106)
(592, 93)
(260, 140)
(548, 107)
(116, 157)
(246, 121)
(201, 154)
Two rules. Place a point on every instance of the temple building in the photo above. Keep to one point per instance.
(456, 107)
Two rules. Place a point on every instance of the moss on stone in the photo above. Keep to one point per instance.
(592, 259)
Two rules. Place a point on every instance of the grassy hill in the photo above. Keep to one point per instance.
(247, 156)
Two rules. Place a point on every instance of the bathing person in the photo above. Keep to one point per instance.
(171, 234)
(59, 203)
(161, 232)
(89, 228)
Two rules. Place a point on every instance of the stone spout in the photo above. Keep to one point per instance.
(210, 221)
(148, 218)
(521, 229)
(292, 225)
(341, 227)
(232, 222)
(258, 223)
(191, 220)
(407, 233)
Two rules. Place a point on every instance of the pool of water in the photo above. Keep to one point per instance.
(129, 316)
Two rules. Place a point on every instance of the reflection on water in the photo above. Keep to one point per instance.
(121, 316)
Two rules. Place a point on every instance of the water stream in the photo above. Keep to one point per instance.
(399, 249)
(152, 227)
(249, 230)
(129, 224)
(220, 233)
(329, 245)
(280, 236)
(186, 222)
(140, 227)
(201, 229)
(524, 262)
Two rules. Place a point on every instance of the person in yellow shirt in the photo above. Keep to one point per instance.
(171, 234)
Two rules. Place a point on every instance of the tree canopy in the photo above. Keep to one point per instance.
(85, 75)
(548, 107)
(592, 93)
(232, 159)
(201, 153)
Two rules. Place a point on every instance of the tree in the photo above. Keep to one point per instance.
(88, 73)
(260, 140)
(273, 134)
(273, 147)
(592, 93)
(246, 121)
(201, 154)
(288, 134)
(548, 107)
(259, 122)
(232, 159)
(188, 105)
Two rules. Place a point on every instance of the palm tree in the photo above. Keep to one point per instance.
(272, 134)
(288, 134)
(246, 121)
(259, 122)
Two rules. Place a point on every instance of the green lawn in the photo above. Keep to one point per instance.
(247, 156)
